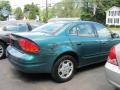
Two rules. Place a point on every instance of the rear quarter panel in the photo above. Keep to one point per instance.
(53, 47)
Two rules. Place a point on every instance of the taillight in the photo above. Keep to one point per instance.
(29, 46)
(112, 56)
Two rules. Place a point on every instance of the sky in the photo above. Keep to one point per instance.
(21, 3)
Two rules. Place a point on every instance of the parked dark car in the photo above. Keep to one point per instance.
(60, 47)
(8, 27)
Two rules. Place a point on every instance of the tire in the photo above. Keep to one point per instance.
(2, 50)
(65, 66)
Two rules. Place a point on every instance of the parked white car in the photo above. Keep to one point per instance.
(113, 66)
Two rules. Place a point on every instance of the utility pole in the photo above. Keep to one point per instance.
(46, 10)
(94, 9)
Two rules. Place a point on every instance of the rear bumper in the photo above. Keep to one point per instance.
(27, 63)
(29, 68)
(113, 74)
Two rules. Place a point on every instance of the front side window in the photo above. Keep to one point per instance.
(102, 31)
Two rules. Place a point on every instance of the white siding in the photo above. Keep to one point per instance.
(113, 16)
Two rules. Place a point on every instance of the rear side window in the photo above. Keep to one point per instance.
(82, 30)
(102, 31)
(74, 30)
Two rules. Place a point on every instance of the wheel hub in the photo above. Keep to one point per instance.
(1, 51)
(65, 69)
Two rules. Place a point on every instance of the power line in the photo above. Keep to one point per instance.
(46, 10)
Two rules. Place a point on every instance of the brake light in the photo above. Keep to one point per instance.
(29, 46)
(112, 56)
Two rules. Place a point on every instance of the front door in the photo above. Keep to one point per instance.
(105, 37)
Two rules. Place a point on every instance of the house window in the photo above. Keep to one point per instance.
(112, 13)
(117, 20)
(110, 20)
(109, 13)
(118, 13)
(114, 20)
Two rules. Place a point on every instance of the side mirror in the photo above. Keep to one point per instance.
(115, 35)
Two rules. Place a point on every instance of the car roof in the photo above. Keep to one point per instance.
(5, 23)
(73, 21)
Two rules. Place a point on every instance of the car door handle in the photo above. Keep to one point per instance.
(104, 43)
(79, 44)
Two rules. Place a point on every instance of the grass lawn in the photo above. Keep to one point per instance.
(114, 28)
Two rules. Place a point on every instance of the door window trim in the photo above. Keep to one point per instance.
(93, 30)
(96, 31)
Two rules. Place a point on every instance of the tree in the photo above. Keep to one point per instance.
(93, 10)
(32, 10)
(4, 5)
(102, 6)
(18, 13)
(67, 8)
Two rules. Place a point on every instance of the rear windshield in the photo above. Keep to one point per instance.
(50, 28)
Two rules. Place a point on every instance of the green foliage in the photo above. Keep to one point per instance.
(102, 6)
(4, 5)
(32, 15)
(31, 10)
(18, 13)
(66, 8)
(81, 8)
(43, 15)
(2, 18)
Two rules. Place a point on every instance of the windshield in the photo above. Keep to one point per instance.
(49, 28)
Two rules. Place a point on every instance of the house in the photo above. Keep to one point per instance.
(113, 16)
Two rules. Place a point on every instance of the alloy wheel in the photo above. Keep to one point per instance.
(65, 69)
(1, 51)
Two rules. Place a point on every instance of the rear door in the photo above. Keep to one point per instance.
(85, 41)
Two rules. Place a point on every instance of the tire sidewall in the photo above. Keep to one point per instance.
(55, 75)
(4, 48)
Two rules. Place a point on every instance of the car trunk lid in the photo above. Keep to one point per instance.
(34, 37)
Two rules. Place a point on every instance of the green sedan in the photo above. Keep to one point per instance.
(60, 47)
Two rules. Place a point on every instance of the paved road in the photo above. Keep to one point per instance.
(87, 78)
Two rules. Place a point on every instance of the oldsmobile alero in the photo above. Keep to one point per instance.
(60, 47)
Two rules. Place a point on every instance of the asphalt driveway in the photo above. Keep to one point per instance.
(87, 78)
